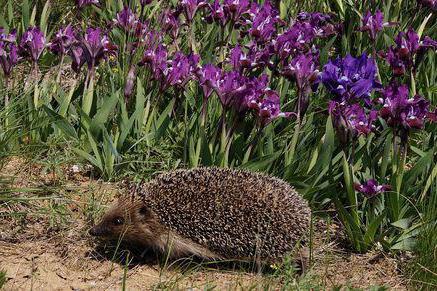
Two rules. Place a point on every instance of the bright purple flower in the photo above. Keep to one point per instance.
(374, 23)
(239, 59)
(408, 51)
(264, 22)
(230, 88)
(268, 107)
(96, 46)
(209, 76)
(401, 112)
(181, 69)
(63, 40)
(432, 4)
(8, 51)
(350, 78)
(371, 188)
(126, 19)
(351, 121)
(83, 3)
(32, 43)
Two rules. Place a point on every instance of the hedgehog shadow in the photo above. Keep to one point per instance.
(131, 256)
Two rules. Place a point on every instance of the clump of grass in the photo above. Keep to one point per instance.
(2, 278)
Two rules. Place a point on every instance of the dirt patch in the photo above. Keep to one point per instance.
(44, 245)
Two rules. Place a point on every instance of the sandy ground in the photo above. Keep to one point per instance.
(44, 245)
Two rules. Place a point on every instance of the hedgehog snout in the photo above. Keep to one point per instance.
(97, 230)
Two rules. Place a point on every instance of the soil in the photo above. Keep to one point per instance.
(44, 245)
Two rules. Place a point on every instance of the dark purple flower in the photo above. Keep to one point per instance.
(304, 70)
(432, 4)
(230, 88)
(268, 107)
(77, 58)
(145, 2)
(263, 25)
(374, 23)
(401, 112)
(126, 19)
(351, 78)
(32, 43)
(208, 76)
(351, 121)
(63, 40)
(319, 23)
(371, 188)
(96, 46)
(217, 13)
(170, 23)
(234, 9)
(8, 51)
(296, 39)
(190, 8)
(156, 58)
(408, 51)
(83, 3)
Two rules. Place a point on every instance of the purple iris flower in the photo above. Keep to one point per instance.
(77, 58)
(371, 188)
(239, 59)
(83, 3)
(181, 69)
(319, 23)
(170, 23)
(263, 25)
(408, 52)
(351, 78)
(63, 40)
(296, 39)
(126, 19)
(432, 4)
(217, 13)
(208, 76)
(351, 121)
(156, 58)
(32, 43)
(190, 8)
(234, 9)
(401, 112)
(230, 89)
(96, 46)
(374, 23)
(8, 51)
(268, 107)
(304, 70)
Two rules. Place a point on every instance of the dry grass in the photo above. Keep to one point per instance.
(44, 245)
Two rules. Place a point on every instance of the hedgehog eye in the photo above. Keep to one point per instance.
(118, 221)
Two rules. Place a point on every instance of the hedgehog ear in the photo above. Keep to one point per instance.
(144, 212)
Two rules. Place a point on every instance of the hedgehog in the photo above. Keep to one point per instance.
(211, 213)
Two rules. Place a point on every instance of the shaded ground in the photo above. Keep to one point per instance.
(44, 245)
